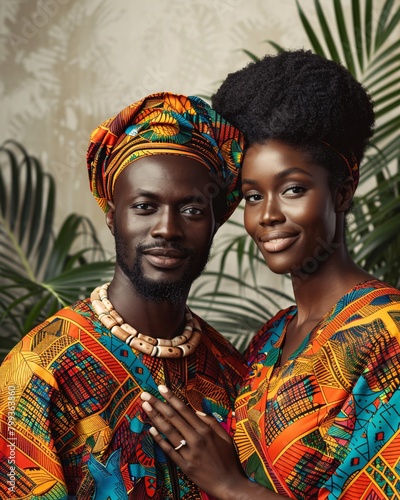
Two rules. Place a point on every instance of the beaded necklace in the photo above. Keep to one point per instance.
(178, 347)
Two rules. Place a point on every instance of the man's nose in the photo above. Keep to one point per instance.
(168, 224)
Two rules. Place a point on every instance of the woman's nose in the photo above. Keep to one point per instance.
(271, 213)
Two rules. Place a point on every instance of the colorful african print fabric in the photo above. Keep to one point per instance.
(326, 424)
(71, 420)
(166, 123)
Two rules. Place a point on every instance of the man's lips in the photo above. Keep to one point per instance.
(277, 241)
(168, 258)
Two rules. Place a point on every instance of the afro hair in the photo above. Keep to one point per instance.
(299, 98)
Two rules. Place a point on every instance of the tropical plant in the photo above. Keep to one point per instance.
(40, 271)
(365, 43)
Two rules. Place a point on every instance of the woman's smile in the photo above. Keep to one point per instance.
(277, 241)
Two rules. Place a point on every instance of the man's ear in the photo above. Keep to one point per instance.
(110, 216)
(344, 195)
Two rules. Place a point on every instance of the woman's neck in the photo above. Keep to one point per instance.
(316, 293)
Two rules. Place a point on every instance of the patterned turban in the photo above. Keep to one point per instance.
(166, 123)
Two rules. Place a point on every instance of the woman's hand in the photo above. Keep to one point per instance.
(197, 443)
(201, 448)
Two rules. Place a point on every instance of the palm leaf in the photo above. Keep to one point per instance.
(344, 38)
(239, 312)
(317, 47)
(40, 270)
(357, 32)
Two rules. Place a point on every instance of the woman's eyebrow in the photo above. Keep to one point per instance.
(280, 175)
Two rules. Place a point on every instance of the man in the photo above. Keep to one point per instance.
(165, 170)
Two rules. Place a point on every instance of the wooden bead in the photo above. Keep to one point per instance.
(108, 304)
(129, 329)
(146, 338)
(141, 346)
(116, 316)
(186, 349)
(108, 322)
(164, 342)
(178, 340)
(194, 341)
(168, 352)
(98, 307)
(94, 296)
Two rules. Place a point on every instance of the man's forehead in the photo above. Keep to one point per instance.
(158, 175)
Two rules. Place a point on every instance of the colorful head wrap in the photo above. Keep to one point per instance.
(166, 123)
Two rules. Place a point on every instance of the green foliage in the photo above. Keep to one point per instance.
(40, 271)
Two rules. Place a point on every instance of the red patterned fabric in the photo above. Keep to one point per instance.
(74, 424)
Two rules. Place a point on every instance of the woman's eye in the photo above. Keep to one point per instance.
(294, 190)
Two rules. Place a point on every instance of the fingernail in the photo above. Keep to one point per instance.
(153, 431)
(145, 396)
(147, 406)
(163, 388)
(201, 414)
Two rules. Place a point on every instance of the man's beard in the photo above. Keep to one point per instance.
(159, 290)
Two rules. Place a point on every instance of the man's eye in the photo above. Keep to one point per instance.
(142, 206)
(252, 197)
(192, 211)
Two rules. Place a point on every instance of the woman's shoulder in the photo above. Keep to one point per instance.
(281, 317)
(271, 329)
(368, 298)
(377, 284)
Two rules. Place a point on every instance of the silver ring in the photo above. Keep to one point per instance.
(183, 442)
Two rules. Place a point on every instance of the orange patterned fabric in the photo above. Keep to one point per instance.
(71, 418)
(326, 424)
(166, 123)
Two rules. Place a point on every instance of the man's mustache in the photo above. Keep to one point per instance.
(187, 252)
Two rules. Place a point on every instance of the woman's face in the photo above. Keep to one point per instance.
(289, 211)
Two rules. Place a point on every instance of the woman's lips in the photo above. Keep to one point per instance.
(278, 243)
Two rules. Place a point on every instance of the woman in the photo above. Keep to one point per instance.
(318, 414)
